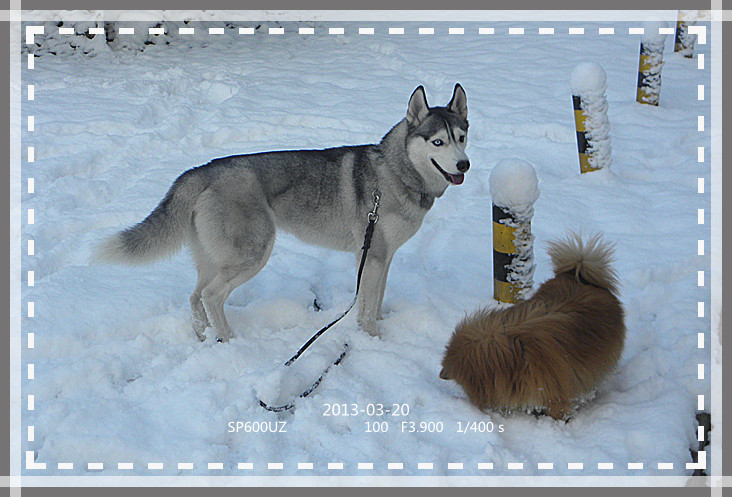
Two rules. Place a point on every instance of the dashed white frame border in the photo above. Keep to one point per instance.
(32, 31)
(30, 464)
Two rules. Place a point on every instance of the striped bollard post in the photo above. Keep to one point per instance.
(684, 41)
(589, 82)
(514, 190)
(650, 63)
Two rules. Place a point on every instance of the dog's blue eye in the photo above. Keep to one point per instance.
(462, 139)
(437, 143)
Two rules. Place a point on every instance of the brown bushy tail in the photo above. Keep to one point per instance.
(589, 262)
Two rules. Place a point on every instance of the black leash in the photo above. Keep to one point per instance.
(373, 218)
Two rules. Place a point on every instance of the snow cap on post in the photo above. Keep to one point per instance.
(652, 32)
(513, 184)
(588, 78)
(514, 188)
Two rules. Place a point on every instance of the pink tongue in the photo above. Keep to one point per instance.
(457, 178)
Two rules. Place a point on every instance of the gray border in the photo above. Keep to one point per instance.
(372, 5)
(5, 145)
(726, 135)
(324, 5)
(369, 492)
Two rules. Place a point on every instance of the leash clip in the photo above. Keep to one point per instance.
(374, 215)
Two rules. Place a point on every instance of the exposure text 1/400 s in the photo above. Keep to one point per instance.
(479, 427)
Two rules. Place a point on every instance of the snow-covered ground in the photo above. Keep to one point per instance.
(119, 376)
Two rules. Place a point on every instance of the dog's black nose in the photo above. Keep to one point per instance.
(463, 166)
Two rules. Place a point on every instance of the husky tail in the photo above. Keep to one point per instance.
(161, 233)
(589, 262)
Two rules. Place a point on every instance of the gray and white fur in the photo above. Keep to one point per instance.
(227, 211)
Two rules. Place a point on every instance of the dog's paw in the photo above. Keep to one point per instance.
(559, 410)
(221, 339)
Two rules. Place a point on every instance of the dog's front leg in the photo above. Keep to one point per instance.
(369, 294)
(384, 274)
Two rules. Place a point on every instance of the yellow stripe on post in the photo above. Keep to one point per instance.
(585, 166)
(644, 63)
(579, 120)
(643, 94)
(504, 292)
(503, 237)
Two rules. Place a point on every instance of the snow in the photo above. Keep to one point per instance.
(119, 374)
(652, 32)
(588, 78)
(513, 184)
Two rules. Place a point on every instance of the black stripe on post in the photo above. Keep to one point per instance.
(499, 214)
(501, 263)
(641, 77)
(678, 40)
(581, 142)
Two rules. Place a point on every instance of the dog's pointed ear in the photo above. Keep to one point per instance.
(459, 102)
(418, 107)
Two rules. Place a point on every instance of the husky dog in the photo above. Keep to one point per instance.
(227, 211)
(550, 352)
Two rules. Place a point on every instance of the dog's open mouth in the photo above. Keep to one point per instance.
(455, 179)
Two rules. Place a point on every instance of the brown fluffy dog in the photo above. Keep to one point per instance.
(550, 351)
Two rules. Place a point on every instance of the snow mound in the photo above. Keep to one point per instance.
(588, 78)
(513, 184)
